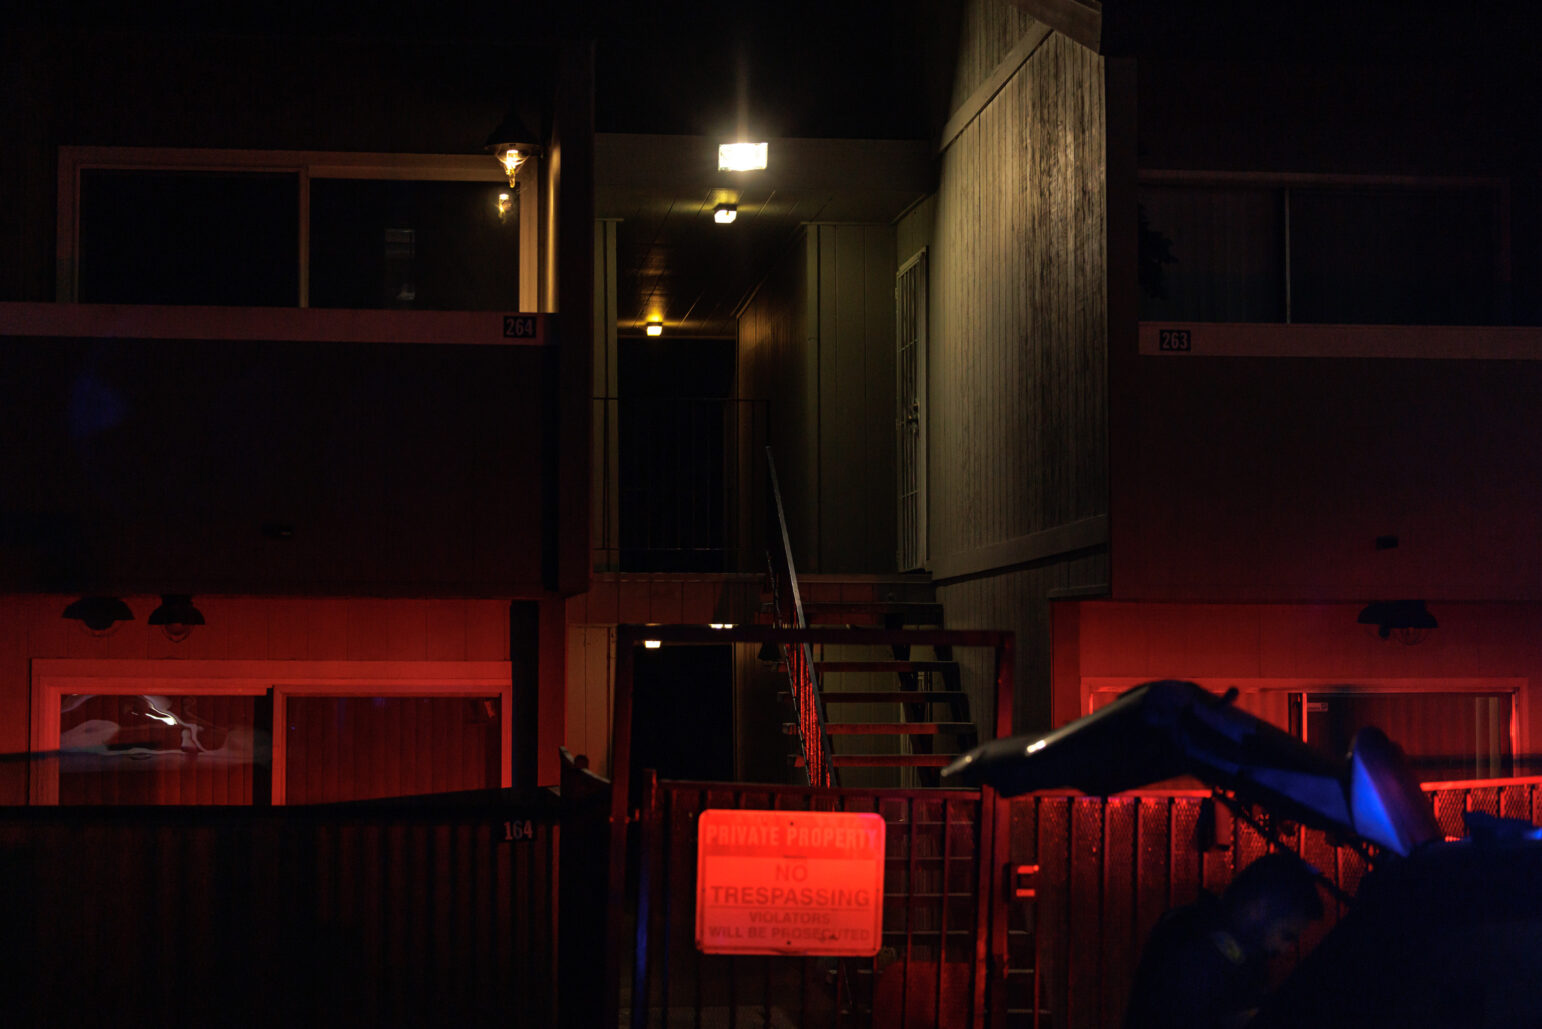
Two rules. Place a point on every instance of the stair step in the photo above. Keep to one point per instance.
(885, 760)
(887, 728)
(871, 612)
(886, 696)
(879, 666)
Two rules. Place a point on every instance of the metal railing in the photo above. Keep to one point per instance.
(677, 485)
(787, 608)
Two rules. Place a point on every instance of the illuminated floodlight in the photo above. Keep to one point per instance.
(655, 328)
(721, 625)
(724, 214)
(741, 157)
(653, 644)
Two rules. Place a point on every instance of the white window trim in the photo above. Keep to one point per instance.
(53, 679)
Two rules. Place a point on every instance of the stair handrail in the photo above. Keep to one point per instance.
(803, 680)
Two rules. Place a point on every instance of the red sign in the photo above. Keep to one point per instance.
(789, 882)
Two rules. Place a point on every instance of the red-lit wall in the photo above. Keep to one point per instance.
(1240, 478)
(1102, 644)
(311, 629)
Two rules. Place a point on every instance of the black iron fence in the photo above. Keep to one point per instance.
(427, 911)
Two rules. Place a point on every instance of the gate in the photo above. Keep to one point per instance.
(934, 966)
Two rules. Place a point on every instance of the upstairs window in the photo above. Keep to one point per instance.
(189, 237)
(286, 229)
(1332, 252)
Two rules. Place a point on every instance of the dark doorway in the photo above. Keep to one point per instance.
(682, 713)
(674, 395)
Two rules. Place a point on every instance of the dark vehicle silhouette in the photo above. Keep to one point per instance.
(1441, 933)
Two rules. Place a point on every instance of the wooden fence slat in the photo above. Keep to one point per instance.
(1052, 926)
(1083, 965)
(1120, 939)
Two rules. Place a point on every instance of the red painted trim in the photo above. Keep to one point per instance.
(310, 325)
(1479, 784)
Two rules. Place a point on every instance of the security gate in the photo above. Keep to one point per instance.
(929, 971)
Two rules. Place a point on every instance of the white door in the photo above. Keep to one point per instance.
(910, 420)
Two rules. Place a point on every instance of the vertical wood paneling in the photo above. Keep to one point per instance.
(1019, 320)
(852, 283)
(1017, 383)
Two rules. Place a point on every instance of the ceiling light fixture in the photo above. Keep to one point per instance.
(176, 616)
(99, 616)
(724, 214)
(655, 328)
(741, 157)
(1407, 621)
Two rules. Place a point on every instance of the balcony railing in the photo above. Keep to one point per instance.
(678, 484)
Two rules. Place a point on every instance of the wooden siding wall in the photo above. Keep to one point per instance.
(1271, 479)
(318, 629)
(778, 363)
(853, 267)
(817, 343)
(1017, 379)
(404, 469)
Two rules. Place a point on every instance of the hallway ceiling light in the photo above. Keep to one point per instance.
(655, 328)
(724, 214)
(176, 616)
(741, 157)
(99, 616)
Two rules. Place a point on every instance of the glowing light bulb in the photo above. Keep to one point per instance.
(741, 157)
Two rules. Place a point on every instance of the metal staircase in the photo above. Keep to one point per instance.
(892, 713)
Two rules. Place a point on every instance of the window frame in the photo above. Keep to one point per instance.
(1284, 182)
(305, 164)
(1099, 690)
(52, 679)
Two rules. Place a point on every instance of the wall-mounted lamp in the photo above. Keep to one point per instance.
(1406, 621)
(512, 143)
(741, 157)
(99, 616)
(654, 327)
(176, 616)
(724, 214)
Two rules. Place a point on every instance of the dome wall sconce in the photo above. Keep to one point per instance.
(176, 616)
(512, 144)
(99, 616)
(1406, 621)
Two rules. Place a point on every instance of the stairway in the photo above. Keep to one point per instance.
(894, 717)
